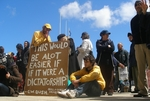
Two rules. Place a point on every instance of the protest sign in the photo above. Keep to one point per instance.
(47, 70)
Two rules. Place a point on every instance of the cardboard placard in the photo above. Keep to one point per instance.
(47, 71)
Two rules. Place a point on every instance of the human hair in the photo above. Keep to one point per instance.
(91, 58)
(1, 49)
(19, 46)
(85, 35)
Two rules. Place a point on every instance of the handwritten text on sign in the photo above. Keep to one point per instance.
(47, 69)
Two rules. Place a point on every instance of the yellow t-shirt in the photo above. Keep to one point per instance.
(94, 74)
(38, 39)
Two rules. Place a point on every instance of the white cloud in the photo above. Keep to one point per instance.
(125, 12)
(12, 10)
(74, 10)
(101, 18)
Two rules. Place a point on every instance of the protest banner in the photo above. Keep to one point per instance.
(47, 71)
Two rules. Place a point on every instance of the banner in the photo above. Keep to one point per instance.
(47, 71)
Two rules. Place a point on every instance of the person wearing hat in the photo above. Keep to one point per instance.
(140, 30)
(133, 69)
(104, 59)
(40, 37)
(85, 48)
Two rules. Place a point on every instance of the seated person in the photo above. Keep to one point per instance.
(9, 77)
(88, 80)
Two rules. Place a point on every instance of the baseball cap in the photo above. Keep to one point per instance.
(60, 36)
(47, 25)
(104, 32)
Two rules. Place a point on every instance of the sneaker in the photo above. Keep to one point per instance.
(63, 93)
(71, 94)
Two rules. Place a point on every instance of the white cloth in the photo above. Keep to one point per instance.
(148, 78)
(84, 50)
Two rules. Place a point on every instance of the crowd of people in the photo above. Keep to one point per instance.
(91, 75)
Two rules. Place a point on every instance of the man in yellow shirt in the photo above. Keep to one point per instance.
(88, 80)
(40, 37)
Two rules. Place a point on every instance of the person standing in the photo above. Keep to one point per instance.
(104, 59)
(133, 69)
(122, 56)
(116, 75)
(25, 58)
(85, 48)
(26, 52)
(142, 51)
(20, 64)
(40, 37)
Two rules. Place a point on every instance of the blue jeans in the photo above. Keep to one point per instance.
(91, 88)
(4, 90)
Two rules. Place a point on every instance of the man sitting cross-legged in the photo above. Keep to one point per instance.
(88, 80)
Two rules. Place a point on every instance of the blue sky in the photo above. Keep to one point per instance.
(20, 18)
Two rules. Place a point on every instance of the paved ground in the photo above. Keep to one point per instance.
(115, 97)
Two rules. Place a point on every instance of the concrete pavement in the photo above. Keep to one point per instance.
(116, 97)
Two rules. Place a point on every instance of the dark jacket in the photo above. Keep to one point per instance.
(146, 24)
(19, 60)
(73, 62)
(12, 81)
(104, 53)
(116, 62)
(26, 54)
(122, 57)
(132, 59)
(138, 29)
(26, 57)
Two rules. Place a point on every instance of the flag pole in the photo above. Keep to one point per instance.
(66, 28)
(60, 25)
